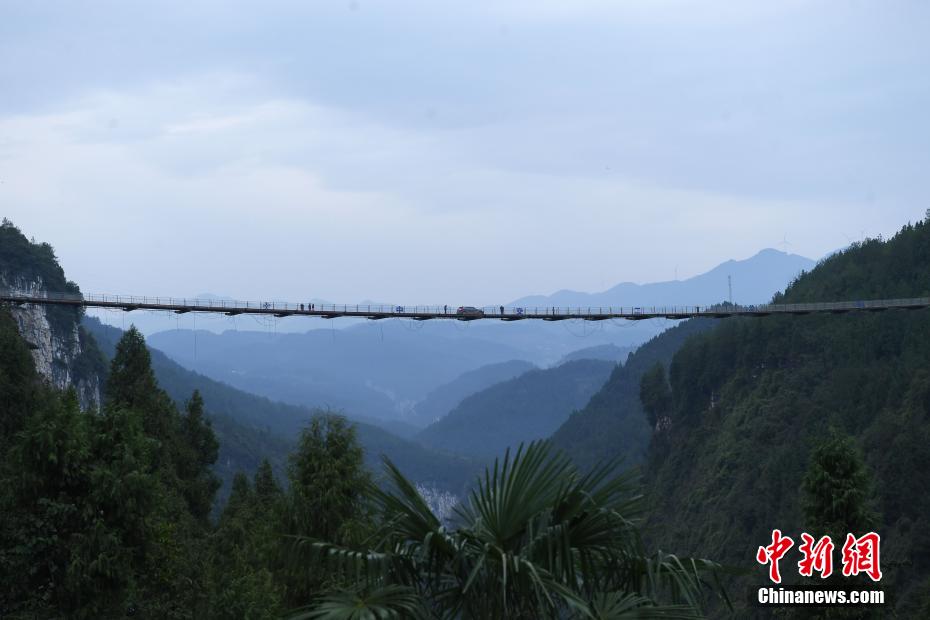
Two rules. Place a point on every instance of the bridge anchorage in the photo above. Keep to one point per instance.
(129, 303)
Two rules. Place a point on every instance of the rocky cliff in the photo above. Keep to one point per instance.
(64, 353)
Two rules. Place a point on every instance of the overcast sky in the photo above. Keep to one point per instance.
(460, 152)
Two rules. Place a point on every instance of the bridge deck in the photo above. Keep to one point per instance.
(423, 313)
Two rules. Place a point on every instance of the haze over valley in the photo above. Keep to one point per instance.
(383, 369)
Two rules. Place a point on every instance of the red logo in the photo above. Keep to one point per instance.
(860, 555)
(817, 557)
(773, 553)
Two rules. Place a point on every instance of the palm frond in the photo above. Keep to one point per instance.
(628, 606)
(385, 602)
(535, 538)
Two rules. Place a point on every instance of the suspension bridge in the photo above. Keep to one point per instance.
(280, 309)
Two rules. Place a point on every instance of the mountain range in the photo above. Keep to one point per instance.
(754, 280)
(383, 370)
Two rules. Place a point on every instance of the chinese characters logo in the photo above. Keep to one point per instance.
(859, 555)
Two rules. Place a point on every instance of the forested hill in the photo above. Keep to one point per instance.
(444, 399)
(613, 423)
(754, 400)
(522, 409)
(609, 352)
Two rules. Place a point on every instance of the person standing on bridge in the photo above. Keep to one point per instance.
(445, 309)
(502, 310)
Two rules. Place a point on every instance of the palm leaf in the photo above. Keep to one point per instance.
(534, 539)
(385, 602)
(627, 606)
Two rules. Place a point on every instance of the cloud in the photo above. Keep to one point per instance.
(412, 153)
(202, 185)
(664, 12)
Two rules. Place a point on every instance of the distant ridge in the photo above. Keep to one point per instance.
(446, 397)
(528, 407)
(755, 280)
(607, 352)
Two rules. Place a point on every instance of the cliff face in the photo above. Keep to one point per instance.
(64, 353)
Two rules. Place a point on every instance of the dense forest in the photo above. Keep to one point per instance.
(613, 424)
(751, 407)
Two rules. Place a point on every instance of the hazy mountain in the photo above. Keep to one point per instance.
(607, 352)
(444, 399)
(369, 370)
(546, 343)
(754, 279)
(522, 409)
(251, 427)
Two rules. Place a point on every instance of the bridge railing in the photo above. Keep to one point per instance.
(228, 305)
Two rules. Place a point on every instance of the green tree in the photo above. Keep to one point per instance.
(18, 379)
(240, 497)
(131, 381)
(267, 488)
(327, 499)
(78, 494)
(655, 394)
(199, 452)
(131, 385)
(187, 444)
(837, 490)
(172, 571)
(329, 483)
(243, 551)
(924, 589)
(836, 499)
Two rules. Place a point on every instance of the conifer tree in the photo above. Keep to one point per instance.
(266, 487)
(837, 489)
(327, 499)
(200, 452)
(18, 379)
(131, 382)
(655, 394)
(328, 478)
(131, 385)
